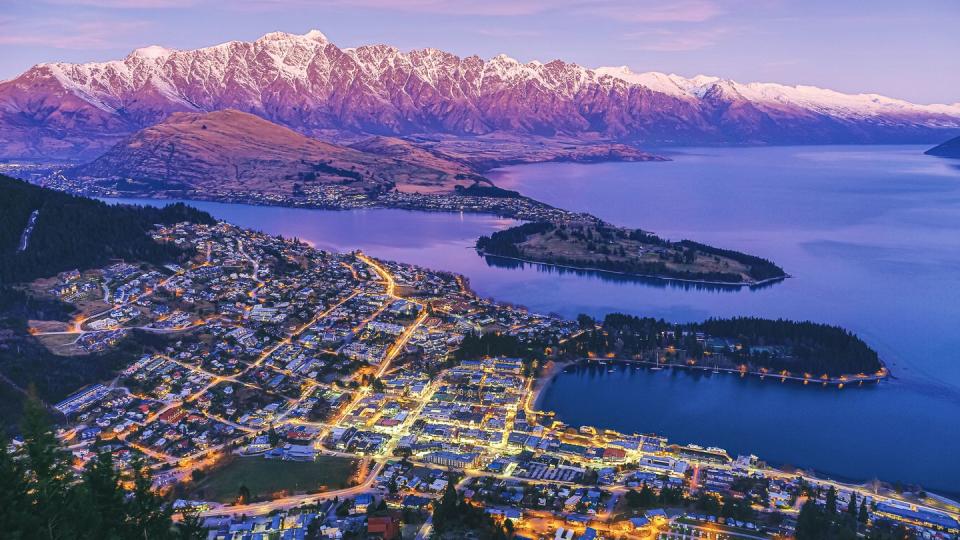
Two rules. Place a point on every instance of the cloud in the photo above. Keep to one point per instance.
(67, 34)
(667, 40)
(688, 11)
(507, 32)
(126, 4)
(623, 10)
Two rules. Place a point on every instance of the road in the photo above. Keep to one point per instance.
(27, 231)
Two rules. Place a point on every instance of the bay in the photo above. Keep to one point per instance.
(869, 234)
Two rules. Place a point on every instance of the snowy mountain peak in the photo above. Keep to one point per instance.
(152, 52)
(306, 83)
(285, 37)
(316, 35)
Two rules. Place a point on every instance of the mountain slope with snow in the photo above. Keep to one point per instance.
(307, 83)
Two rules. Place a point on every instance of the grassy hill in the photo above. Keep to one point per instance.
(218, 154)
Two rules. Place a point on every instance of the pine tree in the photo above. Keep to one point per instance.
(273, 437)
(243, 494)
(647, 498)
(447, 508)
(831, 504)
(53, 495)
(810, 523)
(862, 516)
(852, 507)
(16, 519)
(313, 529)
(190, 527)
(149, 517)
(103, 497)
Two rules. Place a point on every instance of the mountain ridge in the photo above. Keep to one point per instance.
(308, 84)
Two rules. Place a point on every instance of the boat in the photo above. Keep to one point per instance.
(657, 367)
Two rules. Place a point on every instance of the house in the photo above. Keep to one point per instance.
(383, 527)
(656, 515)
(361, 503)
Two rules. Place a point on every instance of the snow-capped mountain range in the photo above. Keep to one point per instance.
(307, 83)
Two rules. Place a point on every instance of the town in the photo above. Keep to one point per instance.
(283, 389)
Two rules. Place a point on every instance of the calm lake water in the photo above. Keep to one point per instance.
(871, 236)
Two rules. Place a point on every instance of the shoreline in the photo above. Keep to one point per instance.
(555, 367)
(736, 284)
(839, 381)
(720, 284)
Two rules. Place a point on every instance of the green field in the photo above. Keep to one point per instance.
(266, 477)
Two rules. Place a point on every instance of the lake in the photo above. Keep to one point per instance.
(870, 236)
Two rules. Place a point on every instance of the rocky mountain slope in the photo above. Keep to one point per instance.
(308, 84)
(228, 151)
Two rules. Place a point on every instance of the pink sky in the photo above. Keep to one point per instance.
(895, 48)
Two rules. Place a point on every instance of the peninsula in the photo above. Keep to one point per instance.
(235, 157)
(593, 245)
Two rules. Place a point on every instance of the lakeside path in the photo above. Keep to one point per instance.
(552, 368)
(763, 373)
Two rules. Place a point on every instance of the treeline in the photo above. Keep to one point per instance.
(760, 268)
(42, 497)
(77, 232)
(477, 190)
(504, 243)
(326, 168)
(641, 268)
(454, 517)
(502, 345)
(831, 522)
(496, 344)
(808, 347)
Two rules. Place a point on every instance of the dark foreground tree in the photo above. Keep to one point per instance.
(42, 497)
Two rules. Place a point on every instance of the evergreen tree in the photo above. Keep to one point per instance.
(863, 516)
(273, 436)
(243, 494)
(104, 497)
(53, 498)
(313, 529)
(446, 510)
(852, 506)
(16, 519)
(149, 517)
(810, 522)
(831, 504)
(191, 527)
(41, 497)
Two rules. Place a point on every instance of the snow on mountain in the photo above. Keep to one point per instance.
(808, 97)
(307, 83)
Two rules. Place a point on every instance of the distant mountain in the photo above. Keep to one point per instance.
(43, 231)
(950, 149)
(308, 84)
(227, 151)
